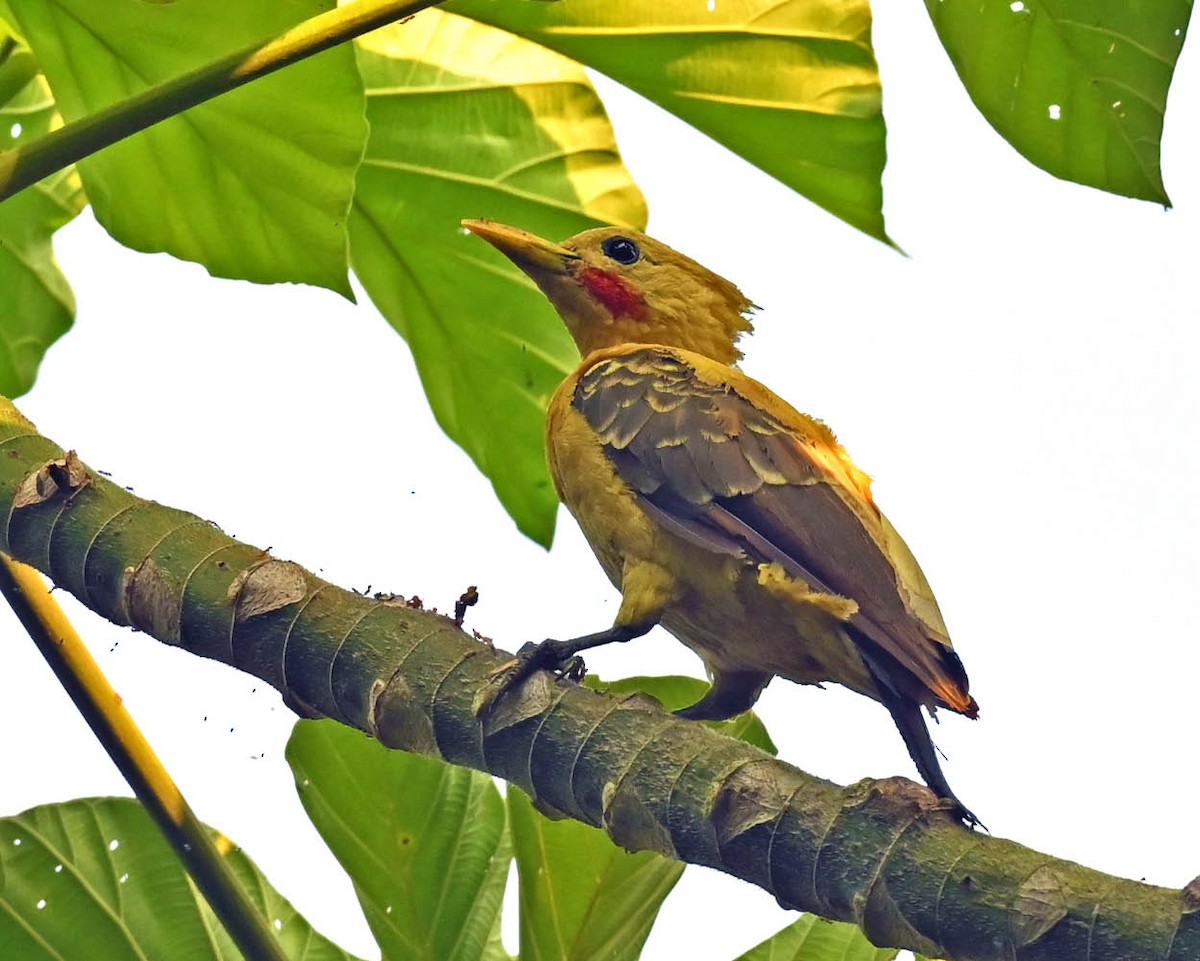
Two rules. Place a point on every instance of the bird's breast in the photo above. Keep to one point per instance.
(603, 505)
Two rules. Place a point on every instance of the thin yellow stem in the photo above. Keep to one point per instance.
(29, 163)
(113, 726)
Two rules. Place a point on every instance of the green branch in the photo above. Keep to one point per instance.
(885, 855)
(29, 163)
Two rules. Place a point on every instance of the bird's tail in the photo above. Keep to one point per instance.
(932, 668)
(952, 689)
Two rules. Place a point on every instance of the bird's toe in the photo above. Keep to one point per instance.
(533, 656)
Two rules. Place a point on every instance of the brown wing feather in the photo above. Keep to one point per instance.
(728, 476)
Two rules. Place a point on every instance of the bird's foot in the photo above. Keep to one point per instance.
(964, 813)
(549, 655)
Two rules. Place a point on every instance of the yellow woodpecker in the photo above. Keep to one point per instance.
(719, 511)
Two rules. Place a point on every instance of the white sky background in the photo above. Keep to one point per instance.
(1023, 387)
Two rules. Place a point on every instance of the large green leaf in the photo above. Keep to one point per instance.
(467, 121)
(94, 879)
(424, 842)
(582, 897)
(36, 304)
(255, 184)
(791, 85)
(1077, 86)
(810, 938)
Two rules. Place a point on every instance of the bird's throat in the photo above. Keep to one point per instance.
(619, 297)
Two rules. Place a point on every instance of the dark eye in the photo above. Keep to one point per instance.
(622, 250)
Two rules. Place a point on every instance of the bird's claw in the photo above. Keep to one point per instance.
(964, 814)
(572, 669)
(532, 657)
(548, 656)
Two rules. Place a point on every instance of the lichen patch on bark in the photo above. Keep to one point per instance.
(267, 587)
(900, 789)
(1038, 906)
(153, 601)
(633, 825)
(752, 795)
(1191, 896)
(64, 475)
(514, 704)
(880, 913)
(402, 722)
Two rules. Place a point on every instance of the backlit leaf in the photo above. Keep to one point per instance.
(36, 303)
(791, 85)
(467, 121)
(675, 692)
(424, 842)
(255, 184)
(810, 938)
(1077, 86)
(582, 897)
(93, 879)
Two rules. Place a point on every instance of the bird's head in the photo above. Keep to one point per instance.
(615, 286)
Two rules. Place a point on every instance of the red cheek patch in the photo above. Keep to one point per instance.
(618, 296)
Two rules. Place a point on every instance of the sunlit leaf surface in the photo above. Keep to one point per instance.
(467, 121)
(791, 85)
